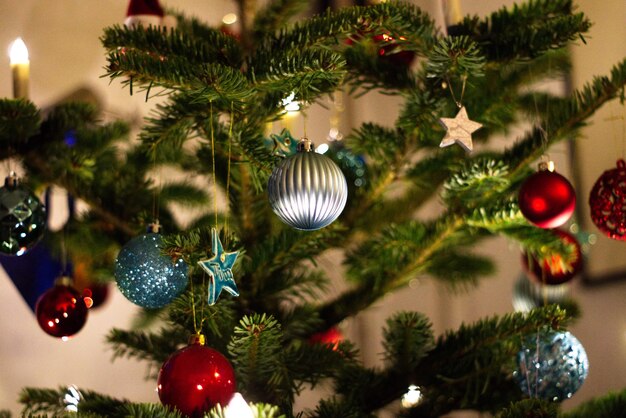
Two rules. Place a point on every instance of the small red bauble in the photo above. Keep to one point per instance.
(390, 50)
(61, 311)
(554, 269)
(98, 293)
(607, 202)
(195, 379)
(331, 337)
(547, 199)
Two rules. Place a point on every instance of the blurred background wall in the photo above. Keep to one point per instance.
(62, 37)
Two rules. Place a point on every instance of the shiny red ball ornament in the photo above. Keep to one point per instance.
(61, 311)
(554, 269)
(607, 202)
(195, 379)
(98, 293)
(547, 199)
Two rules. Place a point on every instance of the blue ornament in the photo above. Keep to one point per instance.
(552, 365)
(145, 276)
(219, 267)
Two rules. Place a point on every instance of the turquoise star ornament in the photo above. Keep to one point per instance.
(219, 267)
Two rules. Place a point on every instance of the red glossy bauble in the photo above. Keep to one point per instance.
(547, 199)
(195, 379)
(61, 311)
(607, 202)
(331, 337)
(555, 270)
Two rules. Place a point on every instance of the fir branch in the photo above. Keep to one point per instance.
(469, 184)
(19, 120)
(184, 194)
(214, 46)
(611, 405)
(37, 401)
(530, 408)
(526, 30)
(454, 58)
(408, 337)
(206, 82)
(258, 358)
(459, 270)
(154, 347)
(308, 73)
(275, 15)
(149, 410)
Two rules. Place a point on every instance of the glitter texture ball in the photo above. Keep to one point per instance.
(607, 202)
(145, 276)
(552, 365)
(61, 311)
(195, 379)
(22, 219)
(547, 199)
(307, 191)
(553, 269)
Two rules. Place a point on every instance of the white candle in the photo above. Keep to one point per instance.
(238, 408)
(452, 12)
(20, 67)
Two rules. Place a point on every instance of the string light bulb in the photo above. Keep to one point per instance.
(412, 397)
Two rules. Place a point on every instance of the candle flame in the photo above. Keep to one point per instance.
(18, 54)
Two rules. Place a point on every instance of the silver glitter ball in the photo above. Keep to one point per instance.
(145, 276)
(552, 365)
(307, 190)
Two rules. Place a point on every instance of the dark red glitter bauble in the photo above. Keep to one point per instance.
(195, 379)
(554, 269)
(607, 202)
(547, 199)
(61, 311)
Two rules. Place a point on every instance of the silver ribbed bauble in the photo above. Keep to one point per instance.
(307, 190)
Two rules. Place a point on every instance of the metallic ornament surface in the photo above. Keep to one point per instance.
(307, 191)
(145, 276)
(61, 311)
(552, 365)
(22, 219)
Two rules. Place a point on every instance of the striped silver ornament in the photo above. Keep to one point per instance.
(307, 190)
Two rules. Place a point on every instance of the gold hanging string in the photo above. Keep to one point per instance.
(230, 137)
(193, 305)
(212, 130)
(305, 118)
(459, 103)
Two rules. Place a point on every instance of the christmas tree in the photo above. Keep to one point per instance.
(273, 205)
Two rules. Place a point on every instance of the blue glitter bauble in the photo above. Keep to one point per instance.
(145, 276)
(552, 365)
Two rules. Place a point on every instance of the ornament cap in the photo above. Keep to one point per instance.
(154, 227)
(546, 166)
(197, 339)
(12, 180)
(305, 145)
(64, 281)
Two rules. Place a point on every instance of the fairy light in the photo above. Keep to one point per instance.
(229, 19)
(20, 67)
(412, 397)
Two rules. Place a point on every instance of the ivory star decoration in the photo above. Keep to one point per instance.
(459, 130)
(219, 267)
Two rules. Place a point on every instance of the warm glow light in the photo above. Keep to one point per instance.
(238, 408)
(216, 375)
(322, 148)
(412, 397)
(229, 19)
(18, 53)
(65, 339)
(199, 387)
(290, 104)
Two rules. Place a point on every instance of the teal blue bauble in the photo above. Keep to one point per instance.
(145, 276)
(552, 365)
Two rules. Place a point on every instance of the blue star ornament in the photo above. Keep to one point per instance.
(219, 267)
